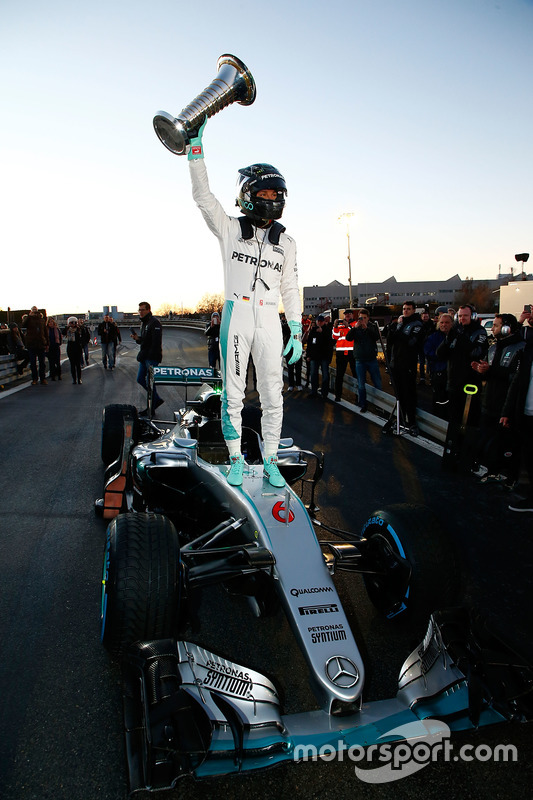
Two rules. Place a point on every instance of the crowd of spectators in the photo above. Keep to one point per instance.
(483, 388)
(38, 340)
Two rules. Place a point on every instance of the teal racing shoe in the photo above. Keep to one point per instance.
(235, 471)
(275, 478)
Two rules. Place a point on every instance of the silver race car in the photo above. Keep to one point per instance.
(176, 525)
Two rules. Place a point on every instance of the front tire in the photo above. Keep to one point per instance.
(113, 430)
(415, 563)
(142, 581)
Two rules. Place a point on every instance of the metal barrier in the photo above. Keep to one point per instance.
(432, 426)
(8, 370)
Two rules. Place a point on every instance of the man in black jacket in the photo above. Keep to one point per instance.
(109, 335)
(151, 352)
(403, 346)
(319, 352)
(498, 371)
(466, 342)
(517, 413)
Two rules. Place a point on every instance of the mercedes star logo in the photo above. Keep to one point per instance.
(342, 672)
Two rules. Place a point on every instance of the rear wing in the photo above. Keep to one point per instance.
(181, 376)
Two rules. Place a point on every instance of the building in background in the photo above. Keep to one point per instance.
(392, 292)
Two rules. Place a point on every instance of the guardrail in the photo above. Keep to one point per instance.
(428, 423)
(8, 370)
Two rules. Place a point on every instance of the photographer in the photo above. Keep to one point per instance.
(364, 336)
(319, 353)
(343, 350)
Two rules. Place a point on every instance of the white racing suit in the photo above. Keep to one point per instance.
(256, 272)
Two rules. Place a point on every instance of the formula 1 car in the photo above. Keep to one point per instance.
(176, 525)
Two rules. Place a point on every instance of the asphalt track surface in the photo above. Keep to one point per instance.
(60, 717)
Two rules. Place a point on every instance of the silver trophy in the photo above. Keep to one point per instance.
(234, 83)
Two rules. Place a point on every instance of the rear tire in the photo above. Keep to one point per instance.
(113, 430)
(417, 564)
(142, 581)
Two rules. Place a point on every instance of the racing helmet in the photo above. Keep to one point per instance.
(253, 179)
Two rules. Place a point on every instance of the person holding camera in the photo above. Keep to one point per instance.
(319, 353)
(364, 336)
(343, 350)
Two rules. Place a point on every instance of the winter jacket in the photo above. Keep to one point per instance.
(364, 341)
(503, 357)
(319, 343)
(150, 339)
(339, 333)
(36, 335)
(463, 344)
(403, 342)
(108, 332)
(430, 349)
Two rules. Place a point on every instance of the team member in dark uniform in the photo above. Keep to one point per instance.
(498, 371)
(403, 345)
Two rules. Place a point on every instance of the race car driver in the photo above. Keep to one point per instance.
(259, 264)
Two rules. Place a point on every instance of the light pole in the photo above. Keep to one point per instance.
(346, 216)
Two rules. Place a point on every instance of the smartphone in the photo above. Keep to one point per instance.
(132, 330)
(528, 309)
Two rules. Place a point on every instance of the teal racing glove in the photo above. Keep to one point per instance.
(295, 342)
(196, 148)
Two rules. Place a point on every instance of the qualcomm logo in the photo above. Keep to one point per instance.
(342, 672)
